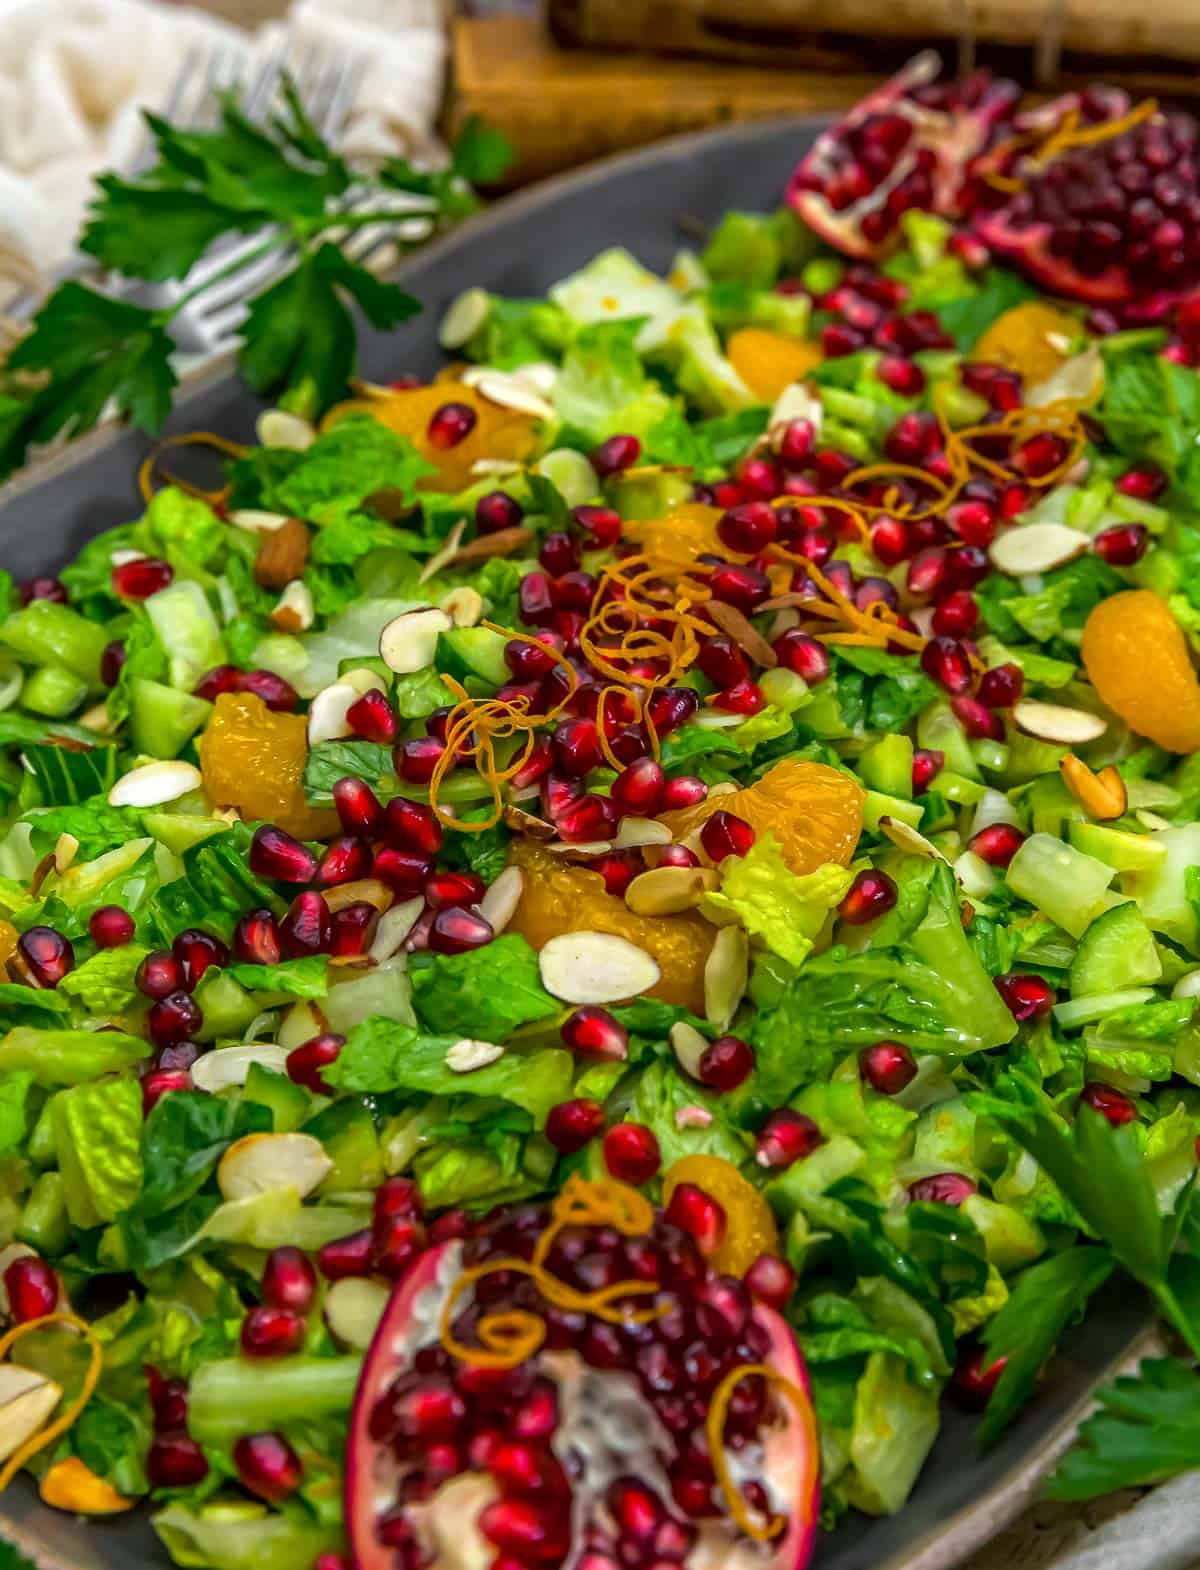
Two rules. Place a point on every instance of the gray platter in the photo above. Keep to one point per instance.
(651, 201)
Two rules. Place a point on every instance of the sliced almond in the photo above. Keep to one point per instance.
(408, 642)
(464, 606)
(255, 521)
(1054, 722)
(363, 680)
(797, 401)
(499, 903)
(747, 637)
(262, 1163)
(151, 784)
(465, 315)
(688, 1045)
(327, 713)
(96, 718)
(633, 833)
(505, 542)
(294, 611)
(495, 468)
(123, 558)
(445, 554)
(783, 621)
(726, 972)
(541, 375)
(278, 428)
(1103, 796)
(512, 391)
(1037, 547)
(66, 847)
(27, 1399)
(665, 891)
(692, 1117)
(363, 891)
(353, 1308)
(522, 822)
(1079, 380)
(596, 967)
(907, 839)
(580, 850)
(226, 1067)
(466, 1055)
(393, 928)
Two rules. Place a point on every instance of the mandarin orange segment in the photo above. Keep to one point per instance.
(815, 812)
(1137, 659)
(1028, 338)
(768, 362)
(750, 1228)
(688, 532)
(253, 759)
(497, 433)
(559, 897)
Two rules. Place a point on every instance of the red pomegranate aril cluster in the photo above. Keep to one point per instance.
(601, 526)
(1026, 996)
(138, 580)
(591, 1029)
(785, 1138)
(47, 954)
(888, 1067)
(1109, 1102)
(32, 1287)
(305, 1062)
(998, 843)
(631, 1153)
(871, 895)
(725, 1064)
(111, 927)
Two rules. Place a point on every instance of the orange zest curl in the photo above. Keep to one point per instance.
(1067, 135)
(508, 1339)
(52, 1431)
(761, 1529)
(149, 468)
(873, 628)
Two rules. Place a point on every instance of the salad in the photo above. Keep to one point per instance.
(586, 941)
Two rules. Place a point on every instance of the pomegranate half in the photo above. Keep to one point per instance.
(591, 1453)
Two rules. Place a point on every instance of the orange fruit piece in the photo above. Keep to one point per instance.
(253, 759)
(497, 432)
(1023, 338)
(768, 362)
(815, 812)
(71, 1485)
(750, 1228)
(689, 531)
(1137, 659)
(560, 897)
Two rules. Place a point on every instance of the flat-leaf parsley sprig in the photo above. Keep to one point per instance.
(86, 351)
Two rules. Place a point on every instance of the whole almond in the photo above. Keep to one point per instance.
(282, 555)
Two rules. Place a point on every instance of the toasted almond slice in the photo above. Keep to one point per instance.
(505, 542)
(27, 1399)
(595, 967)
(580, 850)
(466, 1055)
(743, 632)
(363, 680)
(327, 713)
(525, 823)
(541, 375)
(262, 1163)
(726, 972)
(499, 903)
(255, 521)
(294, 611)
(72, 1485)
(353, 1308)
(408, 642)
(633, 833)
(226, 1067)
(1103, 796)
(446, 553)
(688, 1046)
(363, 891)
(465, 315)
(907, 839)
(96, 718)
(124, 557)
(512, 391)
(278, 428)
(1079, 379)
(498, 468)
(464, 606)
(1054, 722)
(1037, 547)
(665, 891)
(393, 929)
(66, 848)
(151, 784)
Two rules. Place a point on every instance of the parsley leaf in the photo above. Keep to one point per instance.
(1147, 1429)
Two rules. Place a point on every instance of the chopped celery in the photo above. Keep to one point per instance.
(53, 691)
(1083, 1011)
(886, 765)
(233, 1396)
(1061, 881)
(163, 720)
(221, 1536)
(45, 633)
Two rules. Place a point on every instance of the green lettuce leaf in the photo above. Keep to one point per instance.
(603, 387)
(97, 1134)
(773, 903)
(104, 984)
(662, 1093)
(307, 977)
(484, 994)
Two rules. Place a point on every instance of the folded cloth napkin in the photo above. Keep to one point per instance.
(74, 75)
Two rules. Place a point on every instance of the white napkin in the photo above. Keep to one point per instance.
(74, 74)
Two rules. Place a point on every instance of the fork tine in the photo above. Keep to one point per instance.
(348, 79)
(261, 91)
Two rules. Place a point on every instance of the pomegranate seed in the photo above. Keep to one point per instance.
(748, 528)
(397, 1241)
(572, 1124)
(1002, 686)
(725, 1063)
(449, 1225)
(955, 616)
(672, 707)
(456, 930)
(110, 927)
(1111, 1103)
(725, 834)
(357, 805)
(678, 856)
(305, 1062)
(217, 682)
(194, 952)
(47, 954)
(163, 1082)
(833, 467)
(1014, 499)
(594, 1030)
(175, 1460)
(173, 1019)
(32, 1288)
(615, 454)
(279, 856)
(451, 424)
(602, 524)
(760, 479)
(271, 1332)
(44, 589)
(559, 553)
(112, 662)
(534, 598)
(639, 789)
(685, 790)
(838, 339)
(631, 1153)
(1147, 482)
(573, 591)
(306, 928)
(1026, 997)
(974, 522)
(722, 661)
(998, 843)
(576, 747)
(901, 376)
(529, 659)
(588, 819)
(743, 587)
(618, 870)
(771, 1280)
(559, 794)
(497, 511)
(871, 895)
(1041, 455)
(159, 974)
(975, 1378)
(138, 580)
(289, 1280)
(168, 1400)
(530, 1532)
(945, 661)
(908, 440)
(1122, 545)
(979, 722)
(537, 764)
(522, 1468)
(267, 1466)
(454, 888)
(797, 443)
(746, 697)
(928, 763)
(278, 695)
(942, 1188)
(928, 572)
(966, 567)
(373, 718)
(397, 1196)
(417, 760)
(887, 1067)
(256, 939)
(786, 1137)
(412, 826)
(346, 860)
(889, 540)
(346, 1256)
(798, 652)
(697, 1214)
